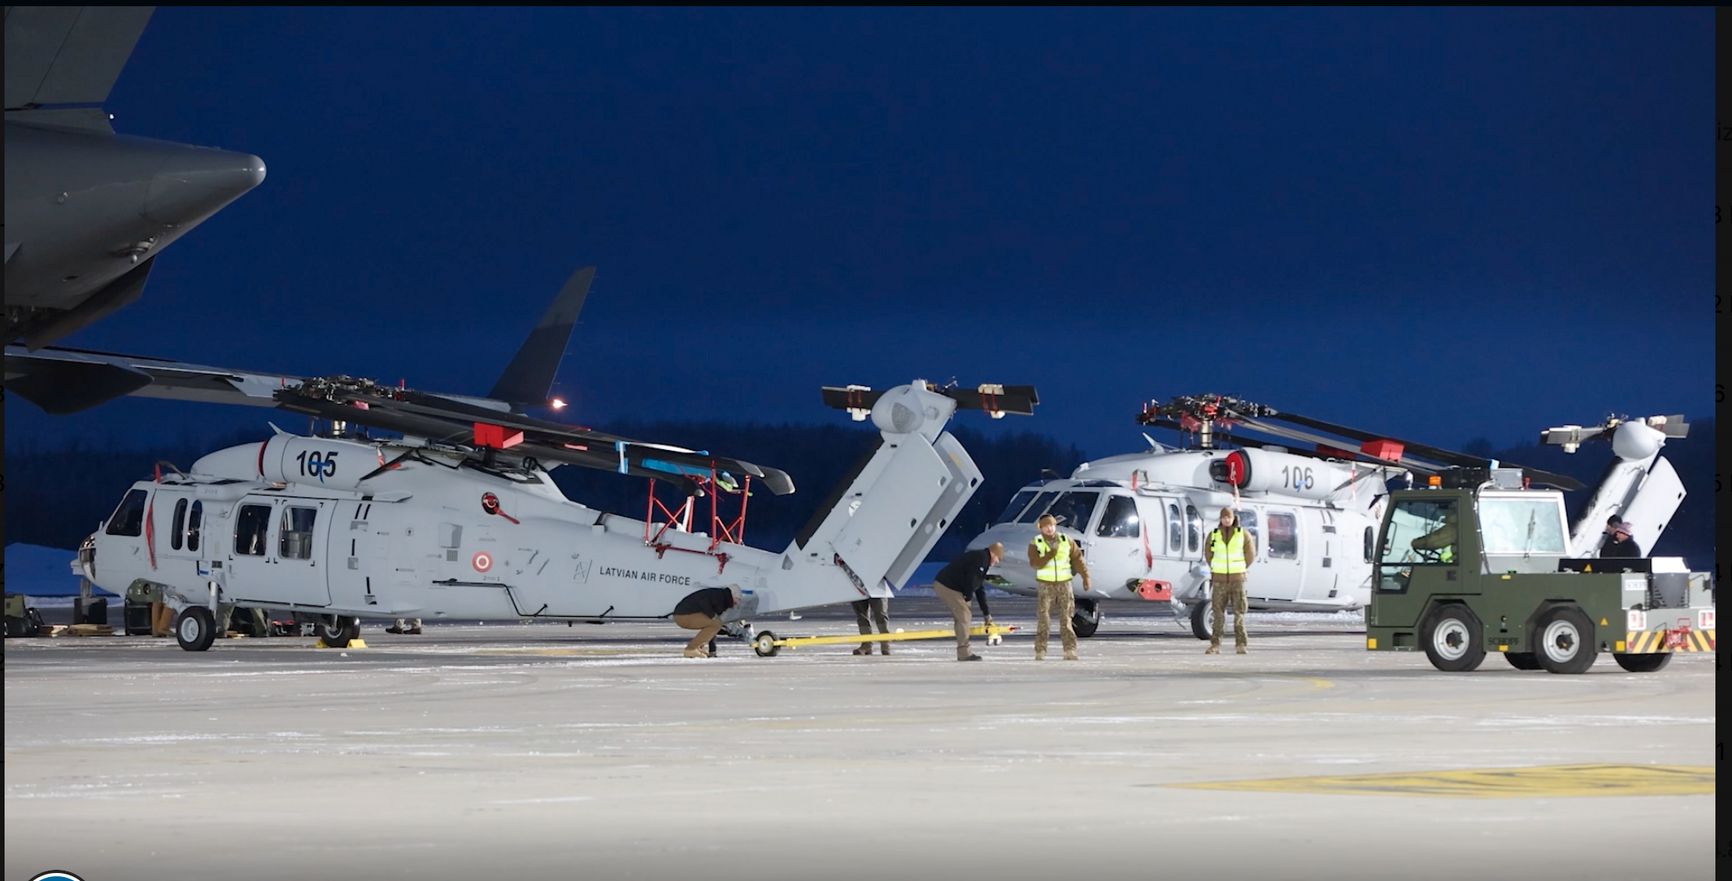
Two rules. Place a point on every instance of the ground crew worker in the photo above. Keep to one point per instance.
(960, 579)
(701, 610)
(1442, 539)
(1618, 542)
(1055, 558)
(879, 609)
(1230, 550)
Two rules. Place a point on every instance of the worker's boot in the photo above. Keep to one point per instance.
(1212, 650)
(864, 649)
(697, 653)
(1070, 655)
(883, 648)
(1240, 650)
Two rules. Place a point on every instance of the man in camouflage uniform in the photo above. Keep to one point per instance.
(1056, 560)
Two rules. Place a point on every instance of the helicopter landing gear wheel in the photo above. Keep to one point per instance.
(337, 631)
(1200, 620)
(764, 644)
(1087, 618)
(196, 629)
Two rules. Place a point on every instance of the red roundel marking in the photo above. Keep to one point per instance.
(482, 561)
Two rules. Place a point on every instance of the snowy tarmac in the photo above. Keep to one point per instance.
(543, 751)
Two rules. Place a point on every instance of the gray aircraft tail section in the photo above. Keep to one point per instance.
(529, 376)
(67, 55)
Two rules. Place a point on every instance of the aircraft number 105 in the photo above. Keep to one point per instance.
(1292, 477)
(315, 464)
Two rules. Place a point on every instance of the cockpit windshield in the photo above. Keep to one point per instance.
(1017, 503)
(1073, 509)
(1033, 512)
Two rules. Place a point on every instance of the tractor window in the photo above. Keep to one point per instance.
(1074, 509)
(1120, 519)
(1034, 511)
(1193, 529)
(193, 522)
(1283, 536)
(174, 532)
(1419, 532)
(296, 534)
(1521, 526)
(250, 528)
(1370, 542)
(128, 519)
(1017, 503)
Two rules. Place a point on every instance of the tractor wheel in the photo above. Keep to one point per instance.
(1454, 639)
(1566, 640)
(1646, 663)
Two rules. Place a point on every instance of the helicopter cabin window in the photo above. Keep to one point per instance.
(193, 522)
(1175, 529)
(1521, 526)
(1017, 503)
(1034, 511)
(128, 519)
(297, 533)
(1120, 519)
(1074, 509)
(1283, 536)
(1248, 520)
(1193, 529)
(174, 532)
(250, 528)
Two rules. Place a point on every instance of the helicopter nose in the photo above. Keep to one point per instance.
(199, 184)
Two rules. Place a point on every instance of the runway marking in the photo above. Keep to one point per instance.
(1554, 781)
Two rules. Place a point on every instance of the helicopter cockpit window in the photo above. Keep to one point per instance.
(1017, 503)
(194, 521)
(1283, 536)
(1175, 529)
(1034, 511)
(1420, 532)
(1521, 526)
(1120, 519)
(296, 541)
(128, 519)
(1073, 509)
(174, 531)
(1193, 529)
(250, 528)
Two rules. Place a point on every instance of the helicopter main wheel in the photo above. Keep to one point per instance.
(1566, 640)
(1522, 660)
(337, 631)
(764, 644)
(1200, 620)
(1647, 663)
(1087, 618)
(1454, 639)
(196, 629)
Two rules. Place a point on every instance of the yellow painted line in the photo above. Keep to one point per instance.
(1554, 781)
(1322, 683)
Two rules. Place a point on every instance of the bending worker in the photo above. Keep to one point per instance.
(702, 610)
(1054, 558)
(1229, 550)
(960, 579)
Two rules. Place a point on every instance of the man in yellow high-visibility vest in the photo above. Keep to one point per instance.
(1230, 550)
(1056, 560)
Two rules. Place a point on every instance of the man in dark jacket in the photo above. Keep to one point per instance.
(1618, 542)
(961, 579)
(702, 611)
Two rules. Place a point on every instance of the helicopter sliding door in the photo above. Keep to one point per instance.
(279, 550)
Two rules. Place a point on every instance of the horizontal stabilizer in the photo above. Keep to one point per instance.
(993, 399)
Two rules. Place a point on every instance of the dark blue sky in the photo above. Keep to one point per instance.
(1436, 223)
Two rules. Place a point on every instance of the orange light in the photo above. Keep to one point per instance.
(1434, 481)
(557, 404)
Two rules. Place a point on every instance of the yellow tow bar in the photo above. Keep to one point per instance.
(766, 643)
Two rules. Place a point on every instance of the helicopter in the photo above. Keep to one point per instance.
(459, 518)
(1312, 496)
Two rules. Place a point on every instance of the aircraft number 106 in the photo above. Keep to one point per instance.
(1292, 477)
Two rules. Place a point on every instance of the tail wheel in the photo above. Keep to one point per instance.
(764, 644)
(1522, 660)
(196, 629)
(337, 631)
(1087, 618)
(1454, 639)
(1566, 640)
(1200, 620)
(1646, 663)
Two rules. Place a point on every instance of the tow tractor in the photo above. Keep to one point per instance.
(1478, 560)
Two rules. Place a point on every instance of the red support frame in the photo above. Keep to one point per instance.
(723, 528)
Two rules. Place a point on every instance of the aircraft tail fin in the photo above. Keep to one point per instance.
(529, 376)
(887, 513)
(67, 55)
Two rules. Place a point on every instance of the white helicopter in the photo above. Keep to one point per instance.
(1142, 518)
(459, 518)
